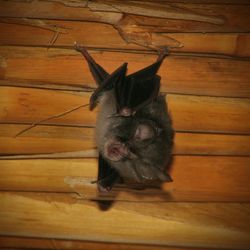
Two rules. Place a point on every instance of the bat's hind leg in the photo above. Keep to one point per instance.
(107, 176)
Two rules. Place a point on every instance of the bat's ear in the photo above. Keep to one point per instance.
(112, 80)
(97, 71)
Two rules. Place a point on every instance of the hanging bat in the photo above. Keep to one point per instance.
(133, 131)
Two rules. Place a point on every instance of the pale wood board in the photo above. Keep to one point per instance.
(174, 224)
(222, 115)
(67, 69)
(99, 35)
(196, 178)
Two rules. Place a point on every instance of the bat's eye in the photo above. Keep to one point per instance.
(144, 132)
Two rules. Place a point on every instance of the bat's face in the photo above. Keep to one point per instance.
(129, 138)
(137, 147)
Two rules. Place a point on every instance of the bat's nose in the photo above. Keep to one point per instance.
(115, 150)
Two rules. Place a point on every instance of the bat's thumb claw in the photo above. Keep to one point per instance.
(76, 44)
(163, 52)
(79, 48)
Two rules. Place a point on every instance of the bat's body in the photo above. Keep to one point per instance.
(133, 131)
(137, 146)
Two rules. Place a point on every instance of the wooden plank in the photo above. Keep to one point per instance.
(44, 32)
(211, 144)
(55, 10)
(45, 139)
(216, 114)
(196, 178)
(233, 23)
(57, 139)
(66, 69)
(236, 16)
(39, 243)
(222, 115)
(223, 76)
(215, 225)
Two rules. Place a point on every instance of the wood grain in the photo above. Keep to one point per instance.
(47, 195)
(212, 225)
(236, 16)
(66, 69)
(57, 139)
(196, 178)
(51, 244)
(106, 36)
(222, 115)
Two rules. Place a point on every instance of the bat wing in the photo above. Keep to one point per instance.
(107, 176)
(98, 72)
(112, 80)
(139, 88)
(104, 80)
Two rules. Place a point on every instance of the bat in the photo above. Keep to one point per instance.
(134, 133)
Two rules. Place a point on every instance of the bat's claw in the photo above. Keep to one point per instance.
(79, 48)
(103, 189)
(164, 51)
(76, 45)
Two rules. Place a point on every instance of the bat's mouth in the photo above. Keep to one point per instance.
(115, 150)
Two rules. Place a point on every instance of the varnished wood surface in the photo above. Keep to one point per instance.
(26, 242)
(47, 173)
(66, 69)
(235, 44)
(28, 105)
(236, 14)
(44, 139)
(168, 224)
(196, 178)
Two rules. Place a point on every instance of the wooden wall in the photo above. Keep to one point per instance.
(46, 194)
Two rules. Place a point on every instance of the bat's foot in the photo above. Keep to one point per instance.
(76, 45)
(104, 205)
(103, 189)
(163, 52)
(80, 48)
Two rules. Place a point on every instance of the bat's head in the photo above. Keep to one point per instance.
(138, 146)
(129, 137)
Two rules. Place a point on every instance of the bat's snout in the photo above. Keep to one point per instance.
(115, 150)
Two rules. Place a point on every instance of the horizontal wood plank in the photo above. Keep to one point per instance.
(191, 224)
(64, 33)
(66, 69)
(189, 113)
(196, 178)
(50, 244)
(48, 192)
(58, 139)
(236, 16)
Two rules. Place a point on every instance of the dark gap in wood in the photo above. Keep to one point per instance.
(90, 90)
(48, 124)
(120, 245)
(115, 24)
(85, 126)
(138, 51)
(46, 156)
(137, 192)
(46, 86)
